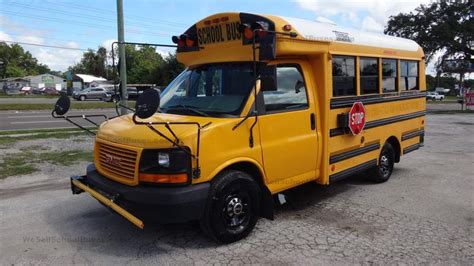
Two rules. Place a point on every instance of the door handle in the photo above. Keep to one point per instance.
(312, 119)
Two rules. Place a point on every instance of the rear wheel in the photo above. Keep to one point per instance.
(233, 207)
(384, 169)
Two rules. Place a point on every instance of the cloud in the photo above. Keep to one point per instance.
(356, 11)
(164, 51)
(107, 44)
(369, 24)
(325, 20)
(5, 37)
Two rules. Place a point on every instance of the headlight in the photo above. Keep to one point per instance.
(164, 159)
(165, 166)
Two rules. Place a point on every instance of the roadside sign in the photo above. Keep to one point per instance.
(469, 98)
(357, 118)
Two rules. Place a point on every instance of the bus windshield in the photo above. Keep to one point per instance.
(217, 90)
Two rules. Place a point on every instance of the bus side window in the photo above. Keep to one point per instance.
(409, 75)
(389, 75)
(343, 76)
(369, 76)
(290, 93)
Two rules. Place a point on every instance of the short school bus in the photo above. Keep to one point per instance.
(265, 104)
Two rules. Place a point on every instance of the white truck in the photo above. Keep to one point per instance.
(434, 96)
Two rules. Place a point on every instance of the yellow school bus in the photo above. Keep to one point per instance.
(266, 103)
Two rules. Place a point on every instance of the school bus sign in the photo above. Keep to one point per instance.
(357, 118)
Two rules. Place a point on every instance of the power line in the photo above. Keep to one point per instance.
(90, 25)
(95, 17)
(127, 15)
(50, 38)
(48, 46)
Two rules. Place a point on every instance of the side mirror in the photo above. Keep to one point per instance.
(62, 105)
(267, 78)
(298, 86)
(267, 47)
(147, 103)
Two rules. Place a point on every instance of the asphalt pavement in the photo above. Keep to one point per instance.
(14, 120)
(423, 215)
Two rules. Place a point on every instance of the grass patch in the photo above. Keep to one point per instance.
(450, 112)
(15, 165)
(35, 131)
(23, 135)
(50, 106)
(3, 95)
(23, 162)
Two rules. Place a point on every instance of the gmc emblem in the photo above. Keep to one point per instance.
(110, 159)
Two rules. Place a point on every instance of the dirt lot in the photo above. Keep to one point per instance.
(424, 214)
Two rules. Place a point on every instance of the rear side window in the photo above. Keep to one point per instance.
(408, 75)
(369, 76)
(389, 75)
(343, 76)
(290, 93)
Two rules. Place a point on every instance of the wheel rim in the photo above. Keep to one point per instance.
(385, 166)
(235, 212)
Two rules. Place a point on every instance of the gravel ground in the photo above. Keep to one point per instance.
(424, 214)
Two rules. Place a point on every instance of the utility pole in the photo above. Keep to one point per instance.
(123, 65)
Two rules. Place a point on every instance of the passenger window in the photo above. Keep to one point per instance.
(409, 75)
(369, 76)
(389, 75)
(343, 76)
(290, 93)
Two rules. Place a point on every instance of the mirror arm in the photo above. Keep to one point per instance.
(85, 117)
(176, 139)
(196, 171)
(79, 126)
(243, 120)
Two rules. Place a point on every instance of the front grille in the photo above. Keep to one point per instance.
(117, 161)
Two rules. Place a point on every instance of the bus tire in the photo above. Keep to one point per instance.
(382, 172)
(232, 208)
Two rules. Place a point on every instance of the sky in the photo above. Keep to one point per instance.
(84, 24)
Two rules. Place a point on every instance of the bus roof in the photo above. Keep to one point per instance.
(320, 31)
(219, 38)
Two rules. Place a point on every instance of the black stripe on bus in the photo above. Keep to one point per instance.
(411, 148)
(377, 123)
(413, 134)
(373, 99)
(353, 153)
(348, 172)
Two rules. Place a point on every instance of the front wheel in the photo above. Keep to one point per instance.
(82, 98)
(382, 172)
(233, 207)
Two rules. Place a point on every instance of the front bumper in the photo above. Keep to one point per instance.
(149, 203)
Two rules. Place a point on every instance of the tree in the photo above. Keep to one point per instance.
(92, 63)
(171, 69)
(441, 26)
(142, 64)
(16, 62)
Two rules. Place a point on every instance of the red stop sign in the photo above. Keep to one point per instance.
(357, 118)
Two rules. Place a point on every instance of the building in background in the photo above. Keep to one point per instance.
(36, 82)
(83, 81)
(47, 81)
(15, 83)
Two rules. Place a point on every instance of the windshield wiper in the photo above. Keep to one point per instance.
(186, 108)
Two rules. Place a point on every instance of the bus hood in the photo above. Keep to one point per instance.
(123, 130)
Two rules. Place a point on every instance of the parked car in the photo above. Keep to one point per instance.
(132, 92)
(49, 91)
(434, 96)
(37, 90)
(26, 90)
(96, 93)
